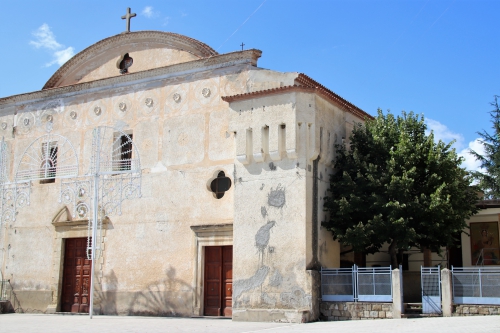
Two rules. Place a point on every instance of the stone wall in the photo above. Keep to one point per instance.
(332, 311)
(475, 310)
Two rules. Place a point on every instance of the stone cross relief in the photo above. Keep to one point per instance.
(127, 17)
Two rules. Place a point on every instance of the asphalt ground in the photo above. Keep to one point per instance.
(28, 323)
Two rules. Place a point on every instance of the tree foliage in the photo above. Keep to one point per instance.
(396, 185)
(489, 181)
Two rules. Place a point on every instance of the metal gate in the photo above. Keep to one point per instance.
(431, 289)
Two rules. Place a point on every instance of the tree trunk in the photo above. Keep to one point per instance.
(393, 252)
(427, 257)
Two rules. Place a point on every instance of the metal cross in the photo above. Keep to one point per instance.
(128, 17)
(242, 45)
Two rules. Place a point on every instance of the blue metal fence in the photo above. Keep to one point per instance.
(357, 284)
(476, 285)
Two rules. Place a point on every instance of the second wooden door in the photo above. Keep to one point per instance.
(218, 286)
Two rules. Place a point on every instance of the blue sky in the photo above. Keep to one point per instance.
(436, 57)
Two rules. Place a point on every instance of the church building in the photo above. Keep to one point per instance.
(191, 182)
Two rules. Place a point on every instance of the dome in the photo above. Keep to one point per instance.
(148, 49)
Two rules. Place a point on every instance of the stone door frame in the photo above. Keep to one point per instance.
(206, 235)
(66, 227)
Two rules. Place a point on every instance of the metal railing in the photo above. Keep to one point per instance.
(7, 294)
(476, 285)
(357, 284)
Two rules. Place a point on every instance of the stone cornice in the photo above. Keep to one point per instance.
(172, 40)
(211, 63)
(210, 228)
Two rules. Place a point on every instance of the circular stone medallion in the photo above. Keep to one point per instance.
(122, 106)
(205, 92)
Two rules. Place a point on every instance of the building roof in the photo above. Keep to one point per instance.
(483, 204)
(304, 83)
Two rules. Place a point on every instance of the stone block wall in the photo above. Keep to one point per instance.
(475, 310)
(333, 311)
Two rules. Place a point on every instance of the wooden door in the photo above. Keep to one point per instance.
(218, 285)
(76, 276)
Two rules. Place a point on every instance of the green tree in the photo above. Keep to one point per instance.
(396, 185)
(489, 181)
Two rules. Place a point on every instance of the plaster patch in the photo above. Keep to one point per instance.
(296, 298)
(266, 299)
(276, 279)
(276, 198)
(263, 211)
(262, 236)
(240, 286)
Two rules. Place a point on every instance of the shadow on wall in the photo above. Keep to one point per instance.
(107, 299)
(166, 297)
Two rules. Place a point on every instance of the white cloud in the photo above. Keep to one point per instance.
(470, 162)
(443, 133)
(166, 20)
(62, 56)
(45, 39)
(149, 12)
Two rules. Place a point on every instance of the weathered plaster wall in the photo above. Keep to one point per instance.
(270, 190)
(183, 145)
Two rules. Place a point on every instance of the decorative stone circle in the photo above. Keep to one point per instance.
(149, 102)
(177, 97)
(82, 210)
(205, 92)
(4, 125)
(73, 114)
(122, 106)
(97, 110)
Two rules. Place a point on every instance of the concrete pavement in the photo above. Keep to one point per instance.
(31, 323)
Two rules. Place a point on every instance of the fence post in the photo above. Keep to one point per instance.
(397, 304)
(447, 295)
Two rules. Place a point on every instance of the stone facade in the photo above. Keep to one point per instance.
(192, 114)
(332, 311)
(475, 310)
